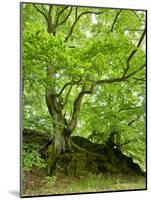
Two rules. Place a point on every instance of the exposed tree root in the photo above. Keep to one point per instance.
(82, 157)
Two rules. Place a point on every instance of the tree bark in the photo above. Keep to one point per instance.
(61, 131)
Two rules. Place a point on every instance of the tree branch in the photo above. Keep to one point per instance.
(73, 82)
(76, 111)
(63, 21)
(115, 20)
(139, 79)
(63, 88)
(76, 12)
(89, 12)
(76, 21)
(127, 142)
(63, 10)
(133, 29)
(120, 79)
(134, 120)
(131, 122)
(50, 9)
(135, 71)
(90, 91)
(77, 104)
(134, 52)
(44, 9)
(130, 108)
(137, 15)
(57, 20)
(66, 98)
(47, 17)
(40, 11)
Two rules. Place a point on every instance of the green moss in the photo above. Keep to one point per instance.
(50, 157)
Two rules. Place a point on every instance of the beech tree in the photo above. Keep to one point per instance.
(84, 73)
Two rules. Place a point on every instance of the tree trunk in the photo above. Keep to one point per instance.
(58, 121)
(56, 112)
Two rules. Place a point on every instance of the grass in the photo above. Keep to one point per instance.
(107, 183)
(91, 183)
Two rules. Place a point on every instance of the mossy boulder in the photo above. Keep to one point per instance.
(92, 158)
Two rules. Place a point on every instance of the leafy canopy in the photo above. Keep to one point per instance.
(104, 44)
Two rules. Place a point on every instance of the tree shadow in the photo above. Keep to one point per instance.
(15, 193)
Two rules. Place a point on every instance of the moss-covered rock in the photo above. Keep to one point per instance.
(85, 158)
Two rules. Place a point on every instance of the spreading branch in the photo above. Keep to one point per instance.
(67, 96)
(45, 11)
(131, 122)
(59, 14)
(77, 104)
(90, 91)
(116, 80)
(62, 11)
(131, 108)
(63, 88)
(66, 18)
(76, 21)
(76, 111)
(134, 52)
(79, 98)
(127, 142)
(133, 29)
(136, 14)
(47, 16)
(76, 12)
(134, 120)
(40, 11)
(50, 9)
(73, 82)
(135, 71)
(115, 20)
(139, 79)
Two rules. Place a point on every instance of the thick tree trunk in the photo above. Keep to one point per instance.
(56, 112)
(58, 122)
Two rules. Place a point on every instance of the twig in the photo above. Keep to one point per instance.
(115, 20)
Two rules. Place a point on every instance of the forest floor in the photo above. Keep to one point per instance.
(37, 185)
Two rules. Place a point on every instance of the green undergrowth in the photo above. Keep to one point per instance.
(91, 183)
